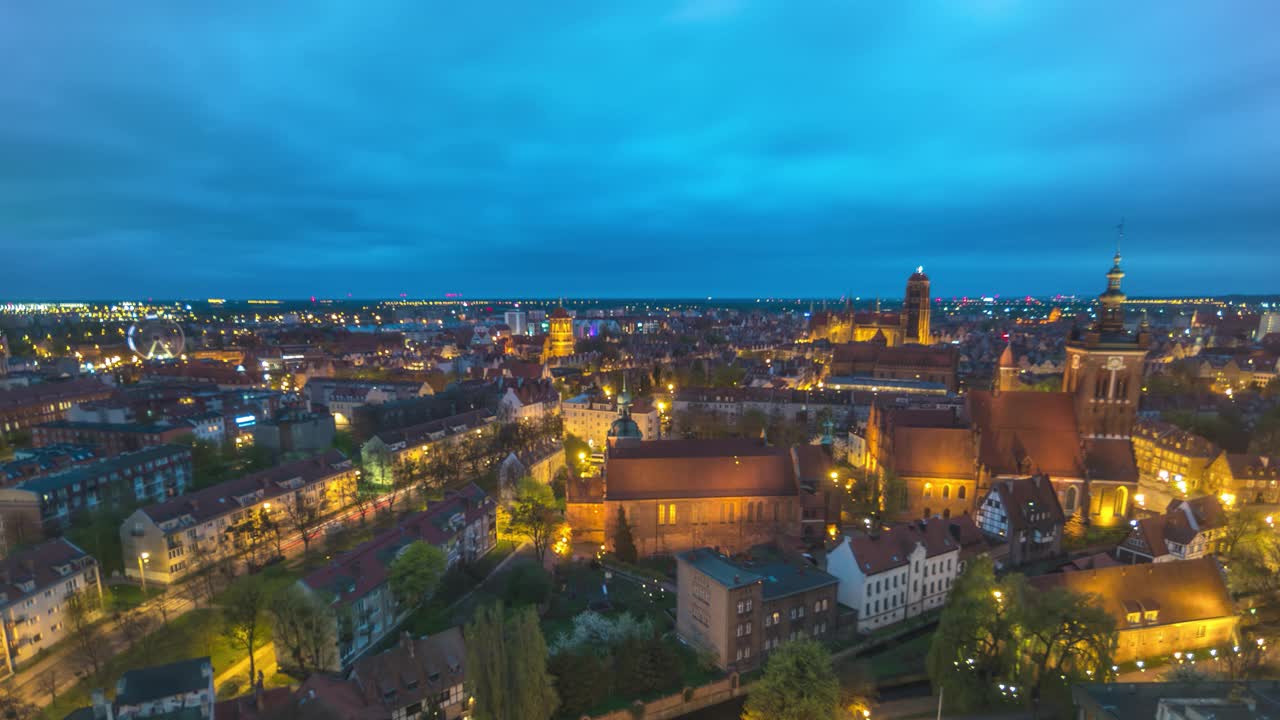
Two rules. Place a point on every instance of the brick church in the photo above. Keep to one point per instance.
(1079, 438)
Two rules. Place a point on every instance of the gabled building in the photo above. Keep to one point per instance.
(1250, 477)
(1189, 529)
(183, 689)
(35, 583)
(528, 401)
(355, 585)
(907, 570)
(1167, 454)
(1022, 514)
(1159, 608)
(589, 418)
(931, 451)
(408, 681)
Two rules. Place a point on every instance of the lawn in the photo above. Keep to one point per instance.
(195, 634)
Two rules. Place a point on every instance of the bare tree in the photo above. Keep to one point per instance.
(133, 625)
(80, 611)
(48, 681)
(303, 516)
(242, 615)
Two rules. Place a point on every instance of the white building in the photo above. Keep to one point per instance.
(1190, 529)
(34, 586)
(903, 572)
(590, 419)
(518, 321)
(528, 401)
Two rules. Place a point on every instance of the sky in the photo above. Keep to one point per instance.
(647, 148)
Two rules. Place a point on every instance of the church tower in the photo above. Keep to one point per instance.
(560, 340)
(1007, 372)
(915, 309)
(1104, 366)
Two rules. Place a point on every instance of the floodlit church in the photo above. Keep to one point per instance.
(909, 326)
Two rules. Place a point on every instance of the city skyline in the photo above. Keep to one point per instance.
(679, 149)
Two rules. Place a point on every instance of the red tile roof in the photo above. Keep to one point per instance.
(698, 468)
(933, 452)
(1183, 591)
(875, 554)
(1024, 432)
(1029, 503)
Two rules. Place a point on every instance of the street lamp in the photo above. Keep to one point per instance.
(143, 560)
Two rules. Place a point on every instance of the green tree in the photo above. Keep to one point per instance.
(624, 545)
(507, 666)
(583, 681)
(302, 627)
(535, 516)
(1251, 550)
(242, 608)
(798, 684)
(415, 573)
(974, 644)
(1065, 637)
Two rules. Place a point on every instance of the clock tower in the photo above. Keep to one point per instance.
(1104, 366)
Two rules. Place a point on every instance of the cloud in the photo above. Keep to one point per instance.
(746, 148)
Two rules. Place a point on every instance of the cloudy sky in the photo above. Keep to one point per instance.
(649, 148)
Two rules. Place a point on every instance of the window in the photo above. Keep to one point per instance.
(946, 492)
(960, 492)
(748, 627)
(928, 490)
(1200, 631)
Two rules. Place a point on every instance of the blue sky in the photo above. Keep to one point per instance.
(656, 148)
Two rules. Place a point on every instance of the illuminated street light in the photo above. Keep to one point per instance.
(143, 560)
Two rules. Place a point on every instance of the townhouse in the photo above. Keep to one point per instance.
(169, 540)
(907, 570)
(1251, 477)
(1024, 516)
(1189, 529)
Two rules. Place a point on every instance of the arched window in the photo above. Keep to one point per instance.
(1122, 499)
(960, 492)
(1070, 504)
(946, 512)
(928, 489)
(946, 492)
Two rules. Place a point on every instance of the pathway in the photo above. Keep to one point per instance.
(264, 659)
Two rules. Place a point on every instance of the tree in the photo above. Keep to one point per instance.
(133, 625)
(302, 625)
(242, 607)
(1251, 551)
(624, 545)
(415, 572)
(798, 684)
(583, 681)
(535, 517)
(80, 611)
(1066, 637)
(303, 516)
(507, 665)
(48, 681)
(1007, 633)
(974, 638)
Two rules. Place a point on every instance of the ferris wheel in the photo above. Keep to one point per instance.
(156, 339)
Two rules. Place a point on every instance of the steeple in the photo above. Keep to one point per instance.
(1111, 314)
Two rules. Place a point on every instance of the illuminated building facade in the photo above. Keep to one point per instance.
(560, 342)
(1104, 366)
(910, 325)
